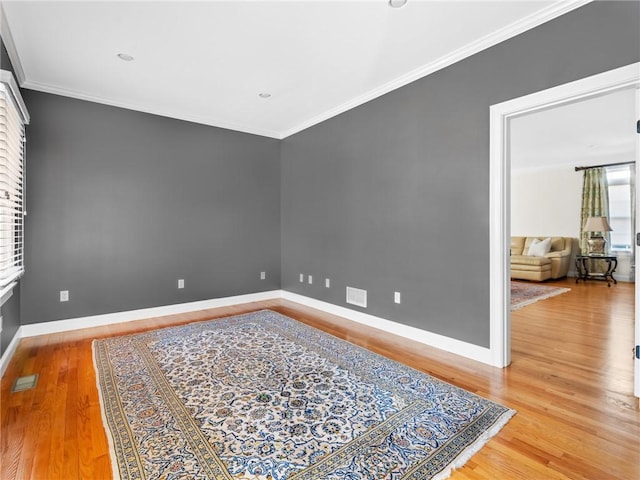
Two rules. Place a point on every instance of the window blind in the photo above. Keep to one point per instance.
(12, 163)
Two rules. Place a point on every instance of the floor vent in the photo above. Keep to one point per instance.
(358, 297)
(25, 383)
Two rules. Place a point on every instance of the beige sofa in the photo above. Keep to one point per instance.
(554, 264)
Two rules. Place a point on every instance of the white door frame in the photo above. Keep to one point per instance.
(636, 369)
(500, 192)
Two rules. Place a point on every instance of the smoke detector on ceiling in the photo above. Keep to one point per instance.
(397, 3)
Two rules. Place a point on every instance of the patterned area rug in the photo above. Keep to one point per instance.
(263, 397)
(523, 294)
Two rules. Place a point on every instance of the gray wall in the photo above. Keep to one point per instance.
(394, 195)
(121, 204)
(10, 311)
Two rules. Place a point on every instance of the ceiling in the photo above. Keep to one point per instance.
(593, 131)
(208, 61)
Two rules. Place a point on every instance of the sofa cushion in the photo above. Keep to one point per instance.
(557, 244)
(538, 269)
(535, 275)
(539, 248)
(517, 245)
(529, 260)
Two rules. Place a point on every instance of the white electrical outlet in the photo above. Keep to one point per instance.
(396, 297)
(302, 278)
(327, 283)
(263, 275)
(64, 295)
(181, 283)
(310, 279)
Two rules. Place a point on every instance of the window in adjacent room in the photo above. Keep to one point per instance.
(619, 180)
(13, 117)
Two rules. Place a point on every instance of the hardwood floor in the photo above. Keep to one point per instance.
(571, 382)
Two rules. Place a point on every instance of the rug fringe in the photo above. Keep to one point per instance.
(476, 446)
(459, 460)
(524, 303)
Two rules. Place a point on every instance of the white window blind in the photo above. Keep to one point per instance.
(13, 117)
(619, 185)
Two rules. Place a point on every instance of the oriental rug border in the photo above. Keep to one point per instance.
(261, 396)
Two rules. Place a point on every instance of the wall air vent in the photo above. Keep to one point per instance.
(358, 297)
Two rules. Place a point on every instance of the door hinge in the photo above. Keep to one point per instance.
(638, 239)
(638, 352)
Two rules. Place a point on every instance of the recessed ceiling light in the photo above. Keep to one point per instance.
(397, 3)
(125, 57)
(264, 95)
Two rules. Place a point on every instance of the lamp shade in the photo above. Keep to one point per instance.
(597, 224)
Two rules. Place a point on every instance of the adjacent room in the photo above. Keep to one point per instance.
(550, 152)
(257, 240)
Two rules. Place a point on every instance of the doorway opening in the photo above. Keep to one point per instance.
(500, 193)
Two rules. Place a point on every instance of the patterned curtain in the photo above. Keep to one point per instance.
(595, 202)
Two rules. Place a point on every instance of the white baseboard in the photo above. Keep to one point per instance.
(624, 278)
(464, 349)
(57, 326)
(8, 353)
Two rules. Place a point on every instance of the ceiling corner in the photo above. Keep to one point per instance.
(7, 39)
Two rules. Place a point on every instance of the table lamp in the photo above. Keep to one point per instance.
(597, 243)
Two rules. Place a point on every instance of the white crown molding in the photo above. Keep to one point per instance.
(7, 38)
(555, 10)
(516, 28)
(41, 87)
(448, 344)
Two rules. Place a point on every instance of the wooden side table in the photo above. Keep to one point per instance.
(583, 268)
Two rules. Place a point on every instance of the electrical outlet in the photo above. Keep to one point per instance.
(181, 283)
(64, 295)
(327, 283)
(263, 275)
(302, 278)
(310, 279)
(396, 297)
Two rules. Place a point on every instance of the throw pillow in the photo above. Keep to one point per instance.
(539, 248)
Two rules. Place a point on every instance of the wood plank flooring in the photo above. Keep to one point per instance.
(571, 382)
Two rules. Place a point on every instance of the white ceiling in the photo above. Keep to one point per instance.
(598, 130)
(207, 61)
